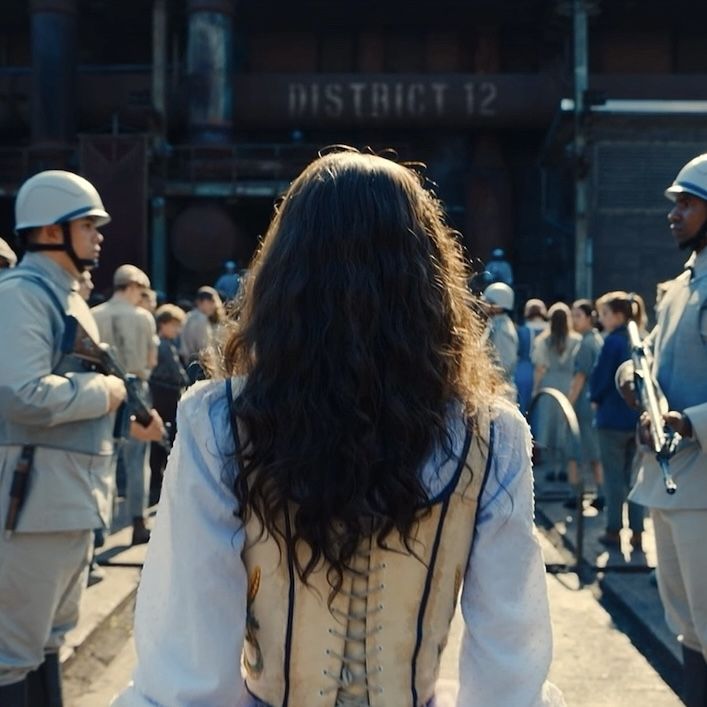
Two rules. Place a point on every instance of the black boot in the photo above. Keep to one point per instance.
(695, 678)
(14, 695)
(44, 684)
(141, 534)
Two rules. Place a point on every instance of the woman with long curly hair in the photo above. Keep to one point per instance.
(350, 469)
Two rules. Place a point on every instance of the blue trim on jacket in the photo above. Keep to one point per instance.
(612, 412)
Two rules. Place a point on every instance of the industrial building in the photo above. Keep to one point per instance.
(191, 116)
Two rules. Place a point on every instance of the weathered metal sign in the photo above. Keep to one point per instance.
(394, 99)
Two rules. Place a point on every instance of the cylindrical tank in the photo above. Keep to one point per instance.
(210, 66)
(54, 58)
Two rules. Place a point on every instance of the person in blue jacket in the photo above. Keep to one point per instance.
(615, 421)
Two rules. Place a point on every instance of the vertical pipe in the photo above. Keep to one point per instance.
(582, 239)
(210, 66)
(159, 66)
(158, 245)
(54, 59)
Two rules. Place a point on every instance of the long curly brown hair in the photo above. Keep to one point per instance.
(354, 331)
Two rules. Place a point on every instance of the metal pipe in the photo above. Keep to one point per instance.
(583, 242)
(158, 244)
(54, 62)
(210, 68)
(159, 65)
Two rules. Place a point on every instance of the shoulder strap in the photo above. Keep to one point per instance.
(36, 279)
(42, 284)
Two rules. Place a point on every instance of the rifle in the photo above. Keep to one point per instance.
(663, 440)
(99, 357)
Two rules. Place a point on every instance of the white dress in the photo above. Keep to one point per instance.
(190, 615)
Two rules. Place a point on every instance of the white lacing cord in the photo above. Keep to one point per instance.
(357, 616)
(346, 679)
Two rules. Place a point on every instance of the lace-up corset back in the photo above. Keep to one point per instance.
(379, 643)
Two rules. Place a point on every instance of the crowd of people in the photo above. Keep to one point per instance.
(583, 352)
(162, 346)
(357, 458)
(577, 351)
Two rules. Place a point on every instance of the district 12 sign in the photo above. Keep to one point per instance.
(321, 100)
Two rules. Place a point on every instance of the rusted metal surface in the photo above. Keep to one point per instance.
(210, 70)
(117, 166)
(54, 57)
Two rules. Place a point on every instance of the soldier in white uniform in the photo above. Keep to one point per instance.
(58, 417)
(502, 331)
(679, 344)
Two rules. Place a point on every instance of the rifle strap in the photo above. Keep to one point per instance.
(42, 284)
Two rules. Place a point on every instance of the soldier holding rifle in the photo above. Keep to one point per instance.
(56, 435)
(679, 347)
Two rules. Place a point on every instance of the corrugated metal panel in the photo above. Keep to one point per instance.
(117, 166)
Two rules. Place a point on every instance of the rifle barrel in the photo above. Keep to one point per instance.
(661, 437)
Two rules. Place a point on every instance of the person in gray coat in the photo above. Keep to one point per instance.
(56, 422)
(679, 347)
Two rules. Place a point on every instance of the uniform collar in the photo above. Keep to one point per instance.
(54, 272)
(697, 263)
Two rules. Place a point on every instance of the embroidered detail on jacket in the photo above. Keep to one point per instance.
(252, 655)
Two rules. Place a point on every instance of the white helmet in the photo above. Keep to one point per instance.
(691, 179)
(54, 197)
(500, 294)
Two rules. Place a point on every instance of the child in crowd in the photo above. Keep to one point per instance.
(615, 421)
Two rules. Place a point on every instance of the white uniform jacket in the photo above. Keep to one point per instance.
(681, 335)
(70, 488)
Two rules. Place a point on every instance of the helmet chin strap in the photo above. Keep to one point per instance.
(81, 264)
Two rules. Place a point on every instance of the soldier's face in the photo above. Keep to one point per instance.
(687, 217)
(86, 238)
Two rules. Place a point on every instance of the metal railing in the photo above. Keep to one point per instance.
(582, 568)
(229, 163)
(567, 410)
